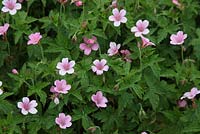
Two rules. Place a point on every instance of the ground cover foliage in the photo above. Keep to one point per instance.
(140, 86)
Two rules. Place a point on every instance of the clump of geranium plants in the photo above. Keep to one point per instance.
(93, 66)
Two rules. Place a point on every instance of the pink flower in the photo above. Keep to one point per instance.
(20, 1)
(144, 132)
(11, 6)
(1, 91)
(178, 39)
(146, 42)
(176, 2)
(61, 86)
(89, 45)
(56, 100)
(190, 95)
(100, 66)
(34, 38)
(78, 3)
(118, 17)
(27, 106)
(182, 103)
(140, 28)
(66, 66)
(14, 71)
(114, 4)
(4, 29)
(126, 55)
(113, 48)
(63, 121)
(99, 99)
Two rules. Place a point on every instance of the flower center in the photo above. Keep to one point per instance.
(10, 5)
(140, 28)
(100, 66)
(118, 17)
(66, 66)
(26, 106)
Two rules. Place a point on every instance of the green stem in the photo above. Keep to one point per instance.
(140, 57)
(42, 52)
(182, 49)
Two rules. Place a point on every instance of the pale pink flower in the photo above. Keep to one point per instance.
(61, 86)
(114, 48)
(182, 103)
(11, 6)
(34, 38)
(78, 3)
(178, 39)
(190, 95)
(118, 17)
(66, 66)
(100, 66)
(114, 4)
(14, 71)
(126, 55)
(176, 2)
(27, 106)
(56, 100)
(1, 91)
(63, 120)
(99, 99)
(144, 132)
(146, 42)
(4, 29)
(89, 45)
(140, 28)
(20, 1)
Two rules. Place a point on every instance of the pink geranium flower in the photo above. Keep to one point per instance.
(99, 99)
(146, 42)
(144, 132)
(27, 106)
(89, 45)
(4, 29)
(34, 38)
(61, 86)
(118, 17)
(100, 66)
(66, 66)
(114, 4)
(126, 55)
(113, 48)
(63, 120)
(11, 6)
(190, 95)
(176, 2)
(178, 39)
(182, 103)
(78, 3)
(140, 28)
(14, 71)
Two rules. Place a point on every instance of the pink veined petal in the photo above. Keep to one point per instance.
(173, 37)
(4, 9)
(33, 103)
(186, 95)
(13, 12)
(68, 124)
(118, 46)
(103, 61)
(99, 72)
(138, 23)
(102, 105)
(62, 72)
(95, 62)
(14, 1)
(68, 87)
(94, 69)
(115, 12)
(20, 105)
(72, 63)
(95, 47)
(68, 118)
(70, 71)
(87, 51)
(106, 68)
(122, 12)
(99, 94)
(33, 110)
(146, 31)
(112, 44)
(180, 33)
(59, 65)
(117, 23)
(111, 18)
(185, 36)
(93, 98)
(25, 100)
(105, 100)
(146, 23)
(24, 112)
(4, 2)
(124, 20)
(65, 60)
(18, 6)
(83, 46)
(138, 34)
(134, 29)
